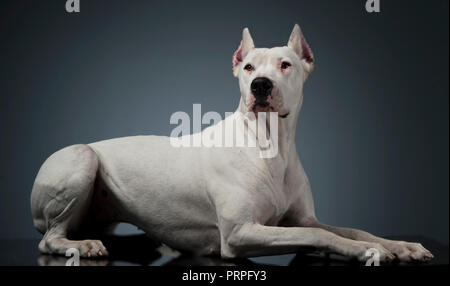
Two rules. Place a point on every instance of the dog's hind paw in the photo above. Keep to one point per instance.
(87, 248)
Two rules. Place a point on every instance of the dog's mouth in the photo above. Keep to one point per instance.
(262, 106)
(266, 106)
(270, 103)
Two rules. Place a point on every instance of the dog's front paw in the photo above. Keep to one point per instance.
(370, 250)
(408, 251)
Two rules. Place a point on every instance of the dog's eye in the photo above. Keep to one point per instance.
(248, 67)
(285, 65)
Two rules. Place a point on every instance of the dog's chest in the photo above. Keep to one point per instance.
(270, 194)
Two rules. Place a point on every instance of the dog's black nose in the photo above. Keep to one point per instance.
(261, 87)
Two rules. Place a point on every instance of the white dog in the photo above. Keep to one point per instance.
(206, 200)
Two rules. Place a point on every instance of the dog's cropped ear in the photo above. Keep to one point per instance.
(298, 43)
(242, 51)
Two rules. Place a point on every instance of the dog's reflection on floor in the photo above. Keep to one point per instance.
(53, 260)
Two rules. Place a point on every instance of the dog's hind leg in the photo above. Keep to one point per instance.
(61, 196)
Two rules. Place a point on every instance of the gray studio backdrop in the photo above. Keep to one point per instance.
(373, 133)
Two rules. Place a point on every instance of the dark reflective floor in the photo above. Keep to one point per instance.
(139, 250)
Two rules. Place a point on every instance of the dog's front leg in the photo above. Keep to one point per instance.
(252, 239)
(405, 251)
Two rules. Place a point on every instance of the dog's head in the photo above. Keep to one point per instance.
(272, 79)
